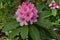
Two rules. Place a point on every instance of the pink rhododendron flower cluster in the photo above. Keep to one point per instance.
(53, 5)
(26, 13)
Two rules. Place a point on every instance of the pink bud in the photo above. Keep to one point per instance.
(53, 5)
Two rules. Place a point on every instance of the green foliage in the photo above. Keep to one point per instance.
(52, 33)
(10, 25)
(39, 7)
(44, 14)
(34, 33)
(54, 12)
(48, 34)
(58, 21)
(57, 1)
(14, 33)
(24, 32)
(44, 22)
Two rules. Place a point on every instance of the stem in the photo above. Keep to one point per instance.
(20, 37)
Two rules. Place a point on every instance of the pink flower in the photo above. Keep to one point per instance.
(53, 5)
(26, 13)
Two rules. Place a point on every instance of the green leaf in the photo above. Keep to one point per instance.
(58, 21)
(57, 1)
(14, 33)
(44, 33)
(1, 15)
(44, 22)
(10, 25)
(24, 32)
(52, 33)
(40, 7)
(44, 14)
(54, 23)
(54, 12)
(1, 5)
(48, 34)
(1, 25)
(34, 33)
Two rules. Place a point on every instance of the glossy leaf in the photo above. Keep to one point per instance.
(44, 33)
(57, 1)
(54, 12)
(10, 25)
(53, 33)
(45, 14)
(24, 32)
(14, 33)
(44, 22)
(40, 7)
(34, 33)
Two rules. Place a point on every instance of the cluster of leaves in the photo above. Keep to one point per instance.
(43, 29)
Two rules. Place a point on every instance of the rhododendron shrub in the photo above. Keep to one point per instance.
(26, 13)
(30, 19)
